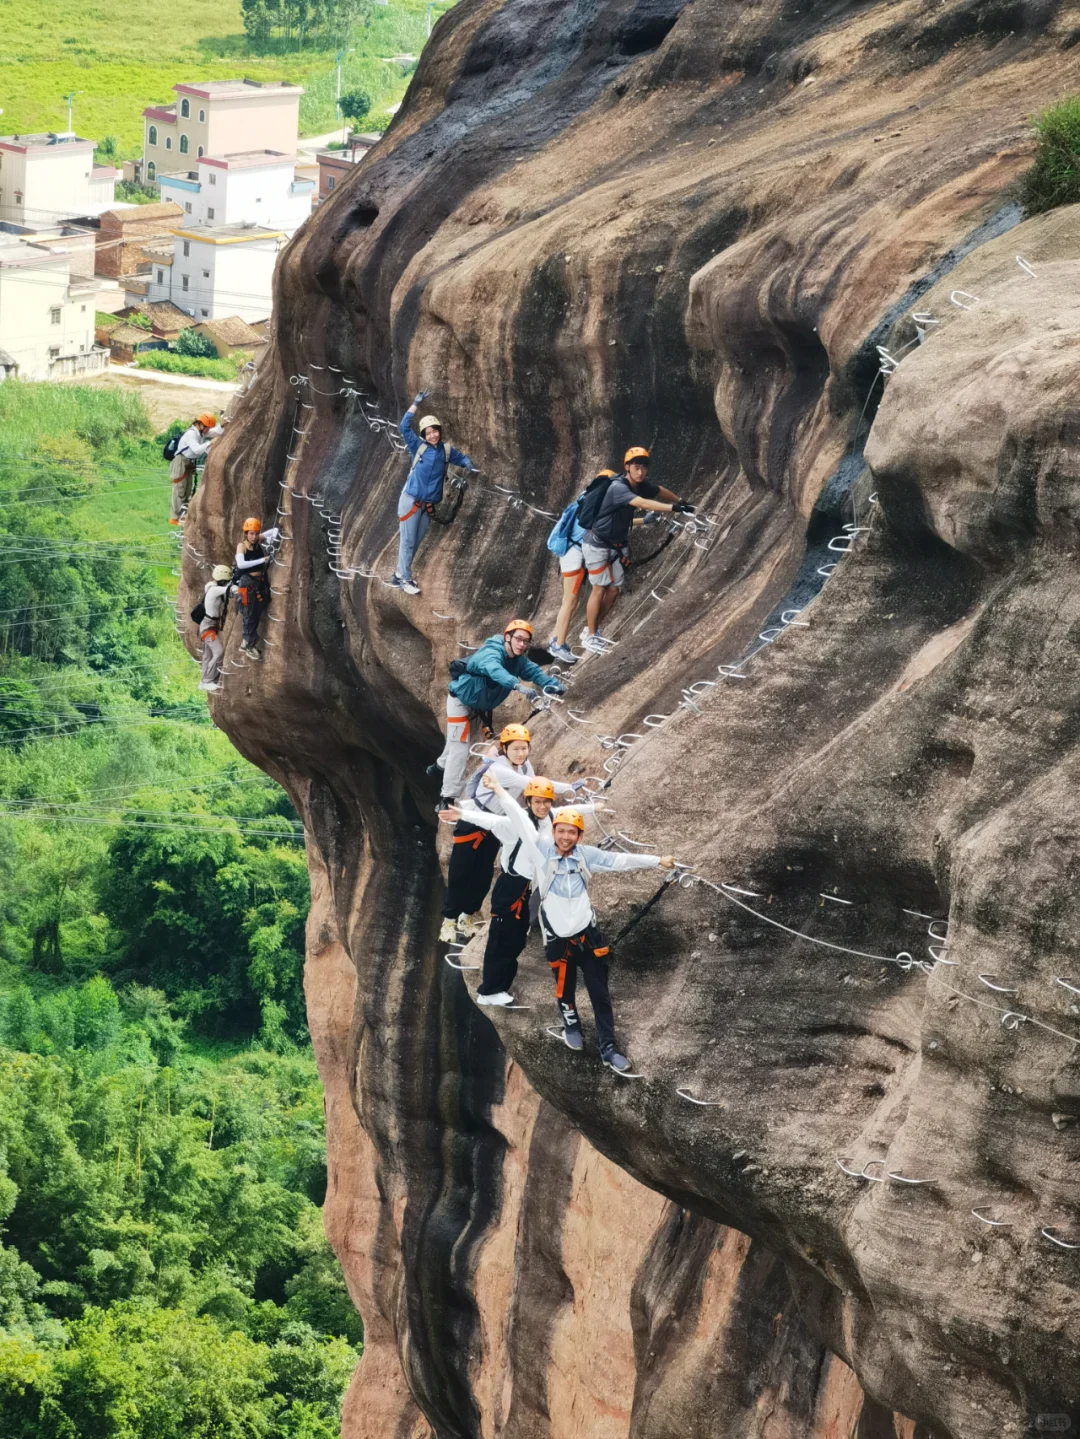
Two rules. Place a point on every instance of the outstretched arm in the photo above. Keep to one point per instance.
(622, 863)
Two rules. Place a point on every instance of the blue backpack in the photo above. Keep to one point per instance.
(559, 540)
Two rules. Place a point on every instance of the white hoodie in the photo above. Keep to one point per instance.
(507, 836)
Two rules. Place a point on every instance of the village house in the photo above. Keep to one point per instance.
(220, 117)
(334, 166)
(258, 186)
(46, 315)
(122, 233)
(218, 271)
(47, 178)
(231, 336)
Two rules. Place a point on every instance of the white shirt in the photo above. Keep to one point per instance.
(507, 836)
(192, 445)
(214, 598)
(513, 779)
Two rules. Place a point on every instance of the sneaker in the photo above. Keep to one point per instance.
(501, 998)
(395, 582)
(593, 643)
(563, 653)
(616, 1061)
(448, 932)
(174, 522)
(211, 688)
(410, 587)
(572, 1037)
(465, 926)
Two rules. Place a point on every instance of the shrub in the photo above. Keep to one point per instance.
(187, 365)
(199, 347)
(1054, 179)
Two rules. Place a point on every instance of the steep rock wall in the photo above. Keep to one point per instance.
(689, 226)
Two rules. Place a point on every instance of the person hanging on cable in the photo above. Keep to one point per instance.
(565, 542)
(185, 455)
(478, 686)
(561, 869)
(510, 899)
(606, 513)
(215, 596)
(251, 576)
(423, 488)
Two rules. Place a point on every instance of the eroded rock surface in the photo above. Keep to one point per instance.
(689, 226)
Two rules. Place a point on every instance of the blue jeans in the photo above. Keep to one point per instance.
(413, 521)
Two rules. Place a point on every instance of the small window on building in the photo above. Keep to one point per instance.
(213, 178)
(168, 142)
(204, 313)
(151, 135)
(161, 277)
(210, 212)
(329, 182)
(187, 248)
(183, 145)
(18, 197)
(202, 117)
(84, 309)
(151, 171)
(185, 108)
(54, 314)
(81, 349)
(54, 352)
(202, 152)
(183, 282)
(206, 274)
(187, 206)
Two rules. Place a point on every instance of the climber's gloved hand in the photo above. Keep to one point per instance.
(420, 397)
(554, 687)
(680, 507)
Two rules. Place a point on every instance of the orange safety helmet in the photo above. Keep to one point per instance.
(569, 816)
(519, 625)
(512, 732)
(252, 526)
(636, 452)
(208, 420)
(539, 788)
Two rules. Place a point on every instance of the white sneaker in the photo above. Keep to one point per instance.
(410, 587)
(593, 643)
(213, 689)
(465, 926)
(448, 932)
(501, 998)
(563, 653)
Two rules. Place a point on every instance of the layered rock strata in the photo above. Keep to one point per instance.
(690, 227)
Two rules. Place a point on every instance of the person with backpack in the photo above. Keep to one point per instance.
(183, 455)
(478, 686)
(510, 908)
(606, 515)
(565, 543)
(209, 615)
(423, 488)
(561, 868)
(251, 575)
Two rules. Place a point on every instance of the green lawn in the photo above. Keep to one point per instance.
(119, 58)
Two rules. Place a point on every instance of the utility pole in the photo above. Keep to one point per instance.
(433, 2)
(71, 103)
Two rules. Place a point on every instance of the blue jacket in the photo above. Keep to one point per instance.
(492, 674)
(426, 477)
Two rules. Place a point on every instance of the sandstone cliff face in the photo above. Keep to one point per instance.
(690, 226)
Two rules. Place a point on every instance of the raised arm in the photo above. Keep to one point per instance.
(521, 823)
(243, 564)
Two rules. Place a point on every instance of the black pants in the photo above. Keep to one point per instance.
(586, 952)
(508, 934)
(251, 599)
(472, 863)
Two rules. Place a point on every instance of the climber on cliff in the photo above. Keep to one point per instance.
(565, 542)
(251, 576)
(423, 488)
(606, 515)
(561, 868)
(510, 912)
(215, 594)
(479, 685)
(190, 448)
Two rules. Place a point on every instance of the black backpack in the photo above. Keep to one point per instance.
(170, 448)
(198, 614)
(593, 497)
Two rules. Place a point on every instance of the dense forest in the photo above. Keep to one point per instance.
(163, 1270)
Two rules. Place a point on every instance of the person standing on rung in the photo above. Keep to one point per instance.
(423, 488)
(606, 515)
(479, 685)
(215, 595)
(561, 870)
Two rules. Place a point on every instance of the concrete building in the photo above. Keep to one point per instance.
(122, 234)
(220, 117)
(334, 167)
(46, 317)
(218, 271)
(258, 187)
(47, 178)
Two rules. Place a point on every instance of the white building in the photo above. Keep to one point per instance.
(219, 270)
(46, 317)
(45, 179)
(258, 187)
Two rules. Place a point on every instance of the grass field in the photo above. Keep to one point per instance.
(119, 58)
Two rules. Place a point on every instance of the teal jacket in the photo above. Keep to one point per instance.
(492, 674)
